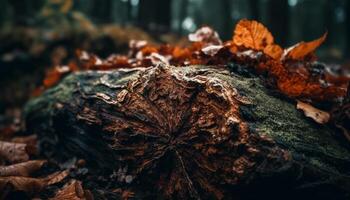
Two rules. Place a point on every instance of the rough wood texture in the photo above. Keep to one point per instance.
(199, 132)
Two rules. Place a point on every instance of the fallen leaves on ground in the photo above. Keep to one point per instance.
(21, 169)
(18, 172)
(29, 185)
(73, 190)
(13, 152)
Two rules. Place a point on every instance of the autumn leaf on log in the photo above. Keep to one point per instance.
(274, 51)
(302, 49)
(13, 152)
(21, 169)
(31, 185)
(254, 35)
(73, 191)
(317, 115)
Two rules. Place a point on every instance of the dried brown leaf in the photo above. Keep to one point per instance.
(21, 169)
(29, 140)
(13, 152)
(72, 191)
(30, 185)
(316, 114)
(17, 183)
(56, 177)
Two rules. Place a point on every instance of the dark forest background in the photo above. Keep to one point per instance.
(37, 34)
(289, 20)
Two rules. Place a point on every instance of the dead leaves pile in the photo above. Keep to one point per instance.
(16, 170)
(292, 71)
(21, 175)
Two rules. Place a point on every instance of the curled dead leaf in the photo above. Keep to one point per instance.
(73, 191)
(21, 169)
(30, 185)
(302, 49)
(13, 152)
(56, 177)
(316, 114)
(29, 140)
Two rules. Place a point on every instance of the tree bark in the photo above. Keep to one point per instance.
(189, 132)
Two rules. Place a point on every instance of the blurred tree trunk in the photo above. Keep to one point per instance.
(102, 10)
(278, 20)
(347, 9)
(183, 12)
(24, 10)
(163, 13)
(227, 19)
(155, 12)
(254, 9)
(329, 20)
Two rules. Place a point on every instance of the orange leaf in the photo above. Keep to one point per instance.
(22, 169)
(274, 51)
(252, 35)
(73, 191)
(302, 49)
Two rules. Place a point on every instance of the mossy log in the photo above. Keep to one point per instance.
(190, 132)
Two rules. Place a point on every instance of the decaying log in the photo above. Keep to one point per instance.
(189, 132)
